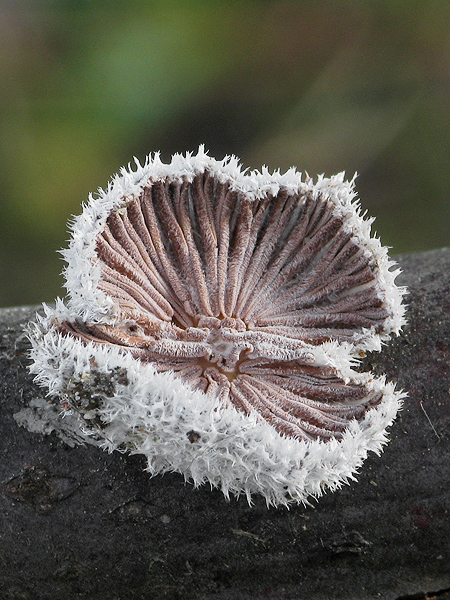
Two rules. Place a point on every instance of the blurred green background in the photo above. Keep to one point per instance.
(324, 85)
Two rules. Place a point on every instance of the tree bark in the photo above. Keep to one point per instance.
(78, 523)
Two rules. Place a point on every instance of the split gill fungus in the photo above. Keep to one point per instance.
(214, 321)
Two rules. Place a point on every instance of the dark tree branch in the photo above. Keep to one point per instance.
(77, 523)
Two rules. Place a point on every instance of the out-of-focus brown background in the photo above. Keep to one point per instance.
(325, 85)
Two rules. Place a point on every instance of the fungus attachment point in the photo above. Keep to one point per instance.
(213, 322)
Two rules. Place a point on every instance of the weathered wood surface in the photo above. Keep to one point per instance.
(77, 523)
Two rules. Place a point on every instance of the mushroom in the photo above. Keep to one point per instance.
(214, 321)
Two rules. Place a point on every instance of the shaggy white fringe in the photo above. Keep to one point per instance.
(155, 413)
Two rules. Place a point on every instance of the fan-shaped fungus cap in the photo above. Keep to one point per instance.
(213, 322)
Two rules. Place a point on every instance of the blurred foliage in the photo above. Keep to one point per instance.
(324, 85)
